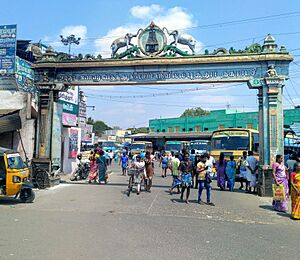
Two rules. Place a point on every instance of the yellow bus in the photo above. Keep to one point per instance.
(233, 141)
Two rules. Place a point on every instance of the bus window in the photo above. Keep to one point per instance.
(255, 142)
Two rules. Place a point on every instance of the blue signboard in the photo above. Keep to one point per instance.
(24, 75)
(8, 42)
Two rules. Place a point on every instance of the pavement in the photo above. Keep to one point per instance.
(77, 220)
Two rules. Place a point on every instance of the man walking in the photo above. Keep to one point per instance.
(204, 181)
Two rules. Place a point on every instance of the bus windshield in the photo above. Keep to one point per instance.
(198, 146)
(174, 147)
(137, 147)
(230, 140)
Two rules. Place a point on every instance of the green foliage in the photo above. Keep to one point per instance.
(197, 111)
(139, 130)
(99, 126)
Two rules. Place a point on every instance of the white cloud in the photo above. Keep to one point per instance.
(80, 31)
(143, 12)
(173, 18)
(296, 101)
(102, 44)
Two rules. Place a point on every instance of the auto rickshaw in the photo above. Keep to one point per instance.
(14, 176)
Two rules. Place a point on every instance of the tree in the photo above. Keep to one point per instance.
(139, 130)
(98, 126)
(197, 111)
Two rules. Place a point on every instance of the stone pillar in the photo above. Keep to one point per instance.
(50, 127)
(270, 126)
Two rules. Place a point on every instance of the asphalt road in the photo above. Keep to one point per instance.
(90, 221)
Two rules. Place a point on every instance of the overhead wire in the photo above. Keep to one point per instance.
(209, 26)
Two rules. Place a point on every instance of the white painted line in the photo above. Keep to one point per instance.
(148, 211)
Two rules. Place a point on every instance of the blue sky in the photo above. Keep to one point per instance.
(100, 22)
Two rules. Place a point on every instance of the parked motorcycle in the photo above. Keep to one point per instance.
(82, 170)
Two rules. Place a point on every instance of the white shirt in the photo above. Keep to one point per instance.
(210, 164)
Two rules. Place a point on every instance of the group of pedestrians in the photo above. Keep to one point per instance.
(243, 170)
(98, 166)
(189, 170)
(198, 171)
(289, 177)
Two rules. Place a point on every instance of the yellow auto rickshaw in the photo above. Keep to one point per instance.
(14, 176)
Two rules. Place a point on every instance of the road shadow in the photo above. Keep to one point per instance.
(268, 207)
(281, 214)
(9, 201)
(284, 214)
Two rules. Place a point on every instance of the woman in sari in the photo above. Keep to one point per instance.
(230, 173)
(93, 175)
(102, 166)
(280, 177)
(221, 176)
(295, 193)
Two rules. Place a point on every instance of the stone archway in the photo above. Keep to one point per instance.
(264, 68)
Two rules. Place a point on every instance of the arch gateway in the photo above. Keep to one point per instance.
(155, 61)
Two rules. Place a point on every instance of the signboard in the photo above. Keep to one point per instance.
(71, 95)
(56, 135)
(25, 76)
(69, 119)
(8, 42)
(87, 133)
(69, 101)
(73, 142)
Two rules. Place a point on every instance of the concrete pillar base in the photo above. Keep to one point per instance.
(265, 179)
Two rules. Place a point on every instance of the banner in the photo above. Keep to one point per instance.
(69, 100)
(8, 43)
(73, 142)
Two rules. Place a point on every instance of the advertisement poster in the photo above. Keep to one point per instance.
(8, 42)
(87, 133)
(69, 100)
(73, 142)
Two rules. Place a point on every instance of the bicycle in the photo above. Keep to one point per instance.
(135, 179)
(40, 176)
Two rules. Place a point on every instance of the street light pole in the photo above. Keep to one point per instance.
(70, 40)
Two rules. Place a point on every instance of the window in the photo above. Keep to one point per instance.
(164, 130)
(255, 142)
(205, 129)
(221, 126)
(177, 129)
(249, 126)
(151, 130)
(183, 129)
(190, 129)
(157, 130)
(197, 128)
(170, 129)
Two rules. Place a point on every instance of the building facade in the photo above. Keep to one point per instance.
(217, 119)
